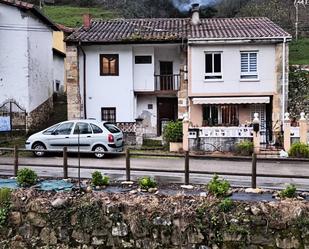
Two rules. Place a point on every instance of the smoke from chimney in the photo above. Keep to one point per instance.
(185, 5)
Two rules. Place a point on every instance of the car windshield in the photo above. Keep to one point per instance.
(111, 128)
(49, 130)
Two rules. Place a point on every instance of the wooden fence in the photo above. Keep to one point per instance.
(128, 169)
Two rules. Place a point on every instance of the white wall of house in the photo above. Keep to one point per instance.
(13, 56)
(110, 91)
(231, 82)
(168, 53)
(149, 116)
(143, 73)
(58, 70)
(40, 63)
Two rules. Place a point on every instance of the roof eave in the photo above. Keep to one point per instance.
(235, 40)
(123, 42)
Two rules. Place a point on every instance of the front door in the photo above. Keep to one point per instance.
(167, 111)
(166, 75)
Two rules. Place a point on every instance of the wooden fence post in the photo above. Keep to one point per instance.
(253, 174)
(187, 171)
(65, 163)
(15, 160)
(128, 173)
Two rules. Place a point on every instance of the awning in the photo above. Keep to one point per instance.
(231, 100)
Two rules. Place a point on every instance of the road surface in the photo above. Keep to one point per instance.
(263, 167)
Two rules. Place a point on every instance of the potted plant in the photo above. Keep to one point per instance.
(173, 135)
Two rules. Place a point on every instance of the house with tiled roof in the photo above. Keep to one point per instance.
(216, 72)
(26, 64)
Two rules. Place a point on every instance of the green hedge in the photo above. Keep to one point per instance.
(299, 150)
(173, 132)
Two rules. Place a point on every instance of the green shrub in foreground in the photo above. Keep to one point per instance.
(5, 198)
(244, 148)
(26, 177)
(299, 150)
(173, 132)
(147, 183)
(288, 192)
(99, 180)
(218, 187)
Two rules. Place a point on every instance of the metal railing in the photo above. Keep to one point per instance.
(167, 82)
(128, 169)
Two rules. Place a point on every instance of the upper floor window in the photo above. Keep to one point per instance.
(213, 66)
(143, 59)
(248, 65)
(109, 64)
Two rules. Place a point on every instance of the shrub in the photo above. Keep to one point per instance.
(26, 177)
(244, 148)
(218, 187)
(147, 183)
(5, 197)
(173, 132)
(299, 150)
(99, 180)
(288, 192)
(226, 205)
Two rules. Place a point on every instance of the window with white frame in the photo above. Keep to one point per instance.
(213, 67)
(248, 64)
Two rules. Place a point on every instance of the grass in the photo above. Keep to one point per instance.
(299, 51)
(72, 16)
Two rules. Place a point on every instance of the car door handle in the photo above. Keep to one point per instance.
(88, 136)
(67, 137)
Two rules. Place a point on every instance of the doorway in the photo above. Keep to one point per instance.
(166, 75)
(167, 111)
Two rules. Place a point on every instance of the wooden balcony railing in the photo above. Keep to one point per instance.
(167, 82)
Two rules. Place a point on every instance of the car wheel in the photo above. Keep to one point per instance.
(40, 147)
(99, 149)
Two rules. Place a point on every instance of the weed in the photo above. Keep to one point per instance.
(99, 180)
(288, 192)
(5, 198)
(226, 205)
(147, 183)
(218, 187)
(244, 148)
(26, 177)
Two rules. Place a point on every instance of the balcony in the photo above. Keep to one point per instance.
(167, 83)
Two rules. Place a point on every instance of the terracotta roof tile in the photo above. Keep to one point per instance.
(176, 29)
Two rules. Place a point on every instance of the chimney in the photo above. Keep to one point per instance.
(195, 10)
(87, 21)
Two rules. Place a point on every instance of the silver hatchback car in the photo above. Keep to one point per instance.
(89, 135)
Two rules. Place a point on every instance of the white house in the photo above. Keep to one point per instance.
(26, 59)
(218, 72)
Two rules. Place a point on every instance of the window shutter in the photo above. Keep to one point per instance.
(253, 62)
(244, 63)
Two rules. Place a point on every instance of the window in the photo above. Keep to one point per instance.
(214, 115)
(109, 64)
(108, 114)
(111, 128)
(50, 130)
(96, 129)
(82, 128)
(143, 59)
(248, 62)
(213, 68)
(64, 129)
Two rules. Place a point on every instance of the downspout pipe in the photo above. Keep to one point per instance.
(84, 79)
(284, 83)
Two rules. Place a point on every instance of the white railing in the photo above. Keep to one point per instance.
(239, 132)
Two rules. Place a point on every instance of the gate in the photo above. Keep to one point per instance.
(12, 117)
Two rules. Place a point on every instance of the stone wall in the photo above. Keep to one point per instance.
(36, 120)
(102, 220)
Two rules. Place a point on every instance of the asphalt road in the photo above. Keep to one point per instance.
(283, 168)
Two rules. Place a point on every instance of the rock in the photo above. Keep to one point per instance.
(254, 190)
(89, 189)
(25, 231)
(300, 198)
(39, 205)
(36, 219)
(255, 210)
(134, 191)
(81, 237)
(159, 221)
(48, 236)
(203, 194)
(287, 242)
(127, 183)
(189, 187)
(97, 242)
(59, 203)
(15, 218)
(152, 190)
(23, 198)
(120, 230)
